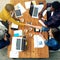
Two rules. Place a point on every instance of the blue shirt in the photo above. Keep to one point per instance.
(52, 43)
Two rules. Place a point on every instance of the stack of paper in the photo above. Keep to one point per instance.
(38, 42)
(14, 54)
(28, 3)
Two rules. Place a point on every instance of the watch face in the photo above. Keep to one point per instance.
(36, 30)
(41, 3)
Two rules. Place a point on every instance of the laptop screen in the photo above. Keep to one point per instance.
(35, 12)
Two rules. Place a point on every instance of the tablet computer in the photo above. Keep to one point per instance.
(18, 13)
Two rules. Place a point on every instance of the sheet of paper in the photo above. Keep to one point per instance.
(14, 54)
(40, 7)
(14, 26)
(38, 42)
(18, 33)
(28, 3)
(14, 44)
(19, 6)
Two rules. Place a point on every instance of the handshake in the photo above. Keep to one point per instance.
(39, 27)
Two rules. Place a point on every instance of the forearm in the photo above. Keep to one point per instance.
(16, 22)
(44, 8)
(42, 22)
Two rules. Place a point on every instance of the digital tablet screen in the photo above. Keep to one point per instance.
(18, 13)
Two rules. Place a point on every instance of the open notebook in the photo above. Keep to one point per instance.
(38, 41)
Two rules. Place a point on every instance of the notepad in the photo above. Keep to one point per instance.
(38, 41)
(14, 26)
(27, 4)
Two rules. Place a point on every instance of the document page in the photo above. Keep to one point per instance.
(14, 54)
(38, 42)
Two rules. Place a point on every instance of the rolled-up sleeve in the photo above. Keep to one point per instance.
(51, 42)
(15, 22)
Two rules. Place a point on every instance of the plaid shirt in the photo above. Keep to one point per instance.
(53, 21)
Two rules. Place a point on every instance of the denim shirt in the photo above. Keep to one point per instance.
(51, 42)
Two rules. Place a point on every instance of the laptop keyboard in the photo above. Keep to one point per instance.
(18, 44)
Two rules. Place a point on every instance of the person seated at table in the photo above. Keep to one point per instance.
(54, 20)
(53, 42)
(4, 39)
(7, 14)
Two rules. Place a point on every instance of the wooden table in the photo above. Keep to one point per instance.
(31, 52)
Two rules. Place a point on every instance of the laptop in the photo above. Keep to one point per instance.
(36, 10)
(18, 44)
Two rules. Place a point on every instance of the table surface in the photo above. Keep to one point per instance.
(30, 52)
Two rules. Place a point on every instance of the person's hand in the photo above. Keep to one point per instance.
(37, 27)
(9, 22)
(40, 15)
(28, 25)
(50, 33)
(43, 19)
(33, 26)
(5, 38)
